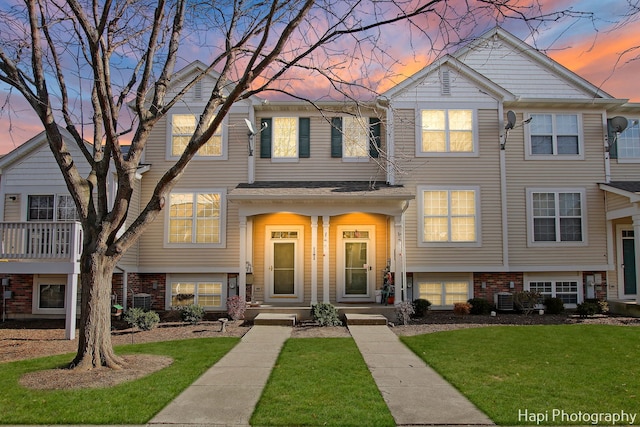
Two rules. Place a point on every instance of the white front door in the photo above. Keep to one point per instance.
(283, 264)
(355, 266)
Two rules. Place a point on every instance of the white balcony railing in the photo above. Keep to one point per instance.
(40, 240)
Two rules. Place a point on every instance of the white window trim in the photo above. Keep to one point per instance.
(357, 159)
(437, 304)
(197, 278)
(49, 280)
(633, 121)
(276, 159)
(56, 197)
(198, 158)
(420, 200)
(529, 202)
(419, 153)
(527, 138)
(223, 220)
(554, 278)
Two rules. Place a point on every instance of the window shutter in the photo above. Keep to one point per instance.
(265, 138)
(374, 137)
(336, 137)
(304, 137)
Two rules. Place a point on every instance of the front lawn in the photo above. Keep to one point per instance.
(321, 382)
(135, 402)
(559, 374)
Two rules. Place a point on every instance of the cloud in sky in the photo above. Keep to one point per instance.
(601, 48)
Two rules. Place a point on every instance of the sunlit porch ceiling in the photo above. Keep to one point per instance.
(320, 197)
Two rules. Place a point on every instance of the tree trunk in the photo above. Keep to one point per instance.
(94, 341)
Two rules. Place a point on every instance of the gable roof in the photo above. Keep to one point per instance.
(455, 64)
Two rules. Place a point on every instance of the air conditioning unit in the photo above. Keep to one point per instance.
(503, 301)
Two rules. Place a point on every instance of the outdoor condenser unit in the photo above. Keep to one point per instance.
(503, 301)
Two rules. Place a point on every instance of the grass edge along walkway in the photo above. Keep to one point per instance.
(321, 381)
(560, 374)
(133, 402)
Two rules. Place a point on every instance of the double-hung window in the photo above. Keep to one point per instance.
(449, 215)
(285, 138)
(444, 293)
(207, 294)
(555, 135)
(447, 131)
(355, 138)
(565, 289)
(556, 216)
(627, 142)
(196, 219)
(183, 127)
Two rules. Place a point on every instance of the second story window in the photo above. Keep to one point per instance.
(449, 215)
(285, 138)
(556, 216)
(446, 131)
(355, 138)
(627, 144)
(51, 208)
(554, 135)
(195, 218)
(182, 128)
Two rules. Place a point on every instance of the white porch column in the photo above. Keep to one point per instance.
(242, 276)
(325, 259)
(636, 243)
(400, 278)
(314, 259)
(71, 302)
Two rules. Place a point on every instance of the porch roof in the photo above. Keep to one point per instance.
(298, 196)
(630, 189)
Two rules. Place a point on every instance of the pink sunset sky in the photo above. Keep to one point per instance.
(604, 50)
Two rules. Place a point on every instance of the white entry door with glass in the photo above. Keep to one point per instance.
(283, 264)
(355, 269)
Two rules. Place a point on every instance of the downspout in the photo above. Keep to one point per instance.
(402, 251)
(125, 285)
(503, 189)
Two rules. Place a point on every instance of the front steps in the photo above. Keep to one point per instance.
(284, 319)
(303, 313)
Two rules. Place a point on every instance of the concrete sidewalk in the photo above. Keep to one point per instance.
(228, 392)
(414, 393)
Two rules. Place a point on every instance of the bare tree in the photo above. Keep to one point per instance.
(118, 57)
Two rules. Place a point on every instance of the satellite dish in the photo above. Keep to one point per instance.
(252, 130)
(511, 120)
(618, 123)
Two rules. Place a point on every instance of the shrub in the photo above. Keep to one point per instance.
(461, 308)
(192, 313)
(526, 301)
(553, 305)
(420, 307)
(603, 306)
(325, 314)
(404, 310)
(144, 320)
(236, 307)
(480, 306)
(587, 309)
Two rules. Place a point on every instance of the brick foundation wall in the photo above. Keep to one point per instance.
(495, 283)
(20, 304)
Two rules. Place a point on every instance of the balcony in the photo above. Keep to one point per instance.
(39, 242)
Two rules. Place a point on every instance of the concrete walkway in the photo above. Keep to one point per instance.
(228, 392)
(414, 393)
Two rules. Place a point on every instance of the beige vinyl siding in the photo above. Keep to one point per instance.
(12, 208)
(320, 166)
(550, 174)
(201, 174)
(482, 171)
(616, 202)
(130, 258)
(624, 171)
(517, 72)
(431, 89)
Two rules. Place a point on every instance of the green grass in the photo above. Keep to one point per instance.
(321, 381)
(134, 402)
(508, 370)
